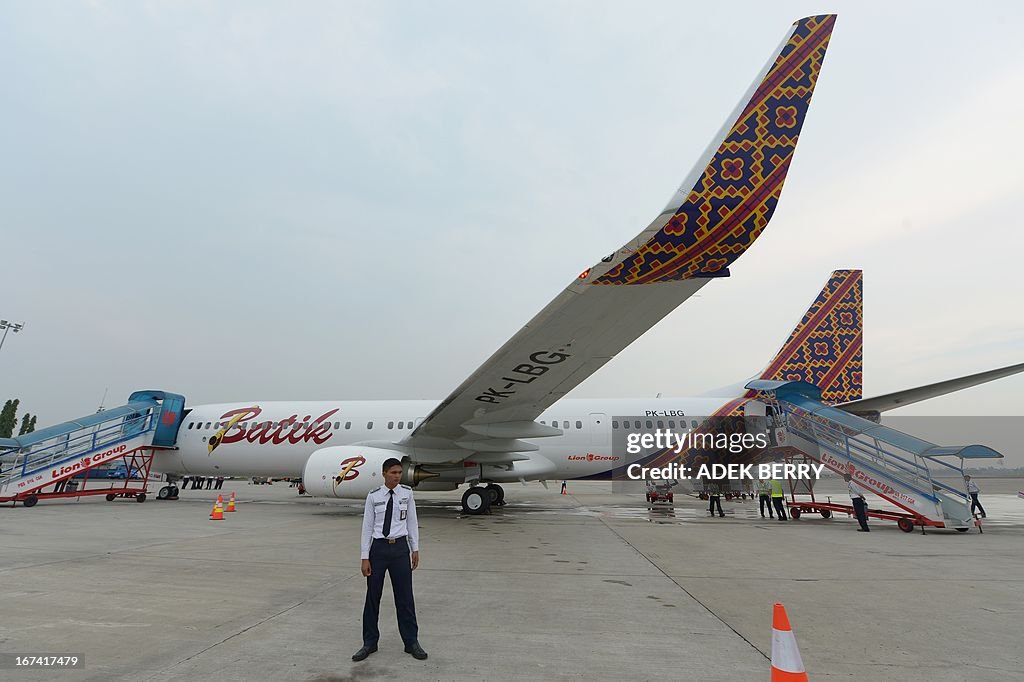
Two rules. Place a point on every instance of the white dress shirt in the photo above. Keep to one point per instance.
(403, 518)
(972, 487)
(855, 490)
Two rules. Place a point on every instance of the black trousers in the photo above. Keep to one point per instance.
(975, 503)
(780, 507)
(395, 560)
(766, 503)
(861, 510)
(716, 501)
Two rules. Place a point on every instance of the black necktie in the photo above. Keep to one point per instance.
(388, 511)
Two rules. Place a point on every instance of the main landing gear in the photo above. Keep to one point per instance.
(479, 499)
(168, 492)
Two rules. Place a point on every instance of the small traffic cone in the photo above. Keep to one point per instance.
(231, 503)
(218, 512)
(787, 666)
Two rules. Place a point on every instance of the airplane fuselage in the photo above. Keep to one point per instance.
(276, 438)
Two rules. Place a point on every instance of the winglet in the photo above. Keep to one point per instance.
(717, 215)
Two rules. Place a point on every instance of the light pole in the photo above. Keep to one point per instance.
(9, 326)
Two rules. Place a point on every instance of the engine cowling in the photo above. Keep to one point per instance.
(351, 471)
(345, 471)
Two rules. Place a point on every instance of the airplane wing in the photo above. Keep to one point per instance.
(891, 401)
(716, 214)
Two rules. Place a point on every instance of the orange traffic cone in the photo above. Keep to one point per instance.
(231, 503)
(218, 512)
(787, 666)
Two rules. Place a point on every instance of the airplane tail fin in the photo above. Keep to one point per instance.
(825, 348)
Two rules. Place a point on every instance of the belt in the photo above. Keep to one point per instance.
(390, 541)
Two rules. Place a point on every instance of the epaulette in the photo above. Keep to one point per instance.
(375, 489)
(405, 486)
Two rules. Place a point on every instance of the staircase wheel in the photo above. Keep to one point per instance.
(795, 513)
(905, 525)
(111, 497)
(962, 530)
(141, 497)
(826, 513)
(30, 501)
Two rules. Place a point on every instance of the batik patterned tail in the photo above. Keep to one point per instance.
(825, 349)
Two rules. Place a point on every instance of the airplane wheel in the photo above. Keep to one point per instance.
(476, 501)
(497, 494)
(826, 513)
(164, 493)
(795, 513)
(30, 501)
(111, 497)
(141, 497)
(906, 525)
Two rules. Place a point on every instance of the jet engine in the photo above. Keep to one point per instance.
(351, 471)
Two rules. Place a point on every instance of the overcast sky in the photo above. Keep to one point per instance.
(341, 200)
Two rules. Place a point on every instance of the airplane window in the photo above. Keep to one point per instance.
(348, 425)
(565, 424)
(671, 423)
(369, 425)
(579, 425)
(190, 426)
(650, 425)
(391, 425)
(615, 424)
(661, 424)
(636, 424)
(693, 423)
(401, 425)
(207, 424)
(545, 423)
(337, 425)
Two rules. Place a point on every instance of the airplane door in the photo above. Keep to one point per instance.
(600, 431)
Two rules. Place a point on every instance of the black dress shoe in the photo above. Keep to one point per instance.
(416, 650)
(363, 653)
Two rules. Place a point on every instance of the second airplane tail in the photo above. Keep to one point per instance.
(825, 348)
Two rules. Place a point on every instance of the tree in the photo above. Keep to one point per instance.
(9, 418)
(28, 424)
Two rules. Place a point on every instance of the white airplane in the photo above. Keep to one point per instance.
(508, 422)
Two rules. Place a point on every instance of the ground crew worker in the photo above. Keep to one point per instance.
(715, 497)
(778, 499)
(390, 543)
(564, 488)
(860, 507)
(973, 490)
(764, 492)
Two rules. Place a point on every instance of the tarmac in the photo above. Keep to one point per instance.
(591, 585)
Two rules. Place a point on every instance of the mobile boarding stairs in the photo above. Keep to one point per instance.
(893, 465)
(56, 455)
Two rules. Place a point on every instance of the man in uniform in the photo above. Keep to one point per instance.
(715, 499)
(860, 507)
(973, 490)
(391, 542)
(778, 499)
(764, 492)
